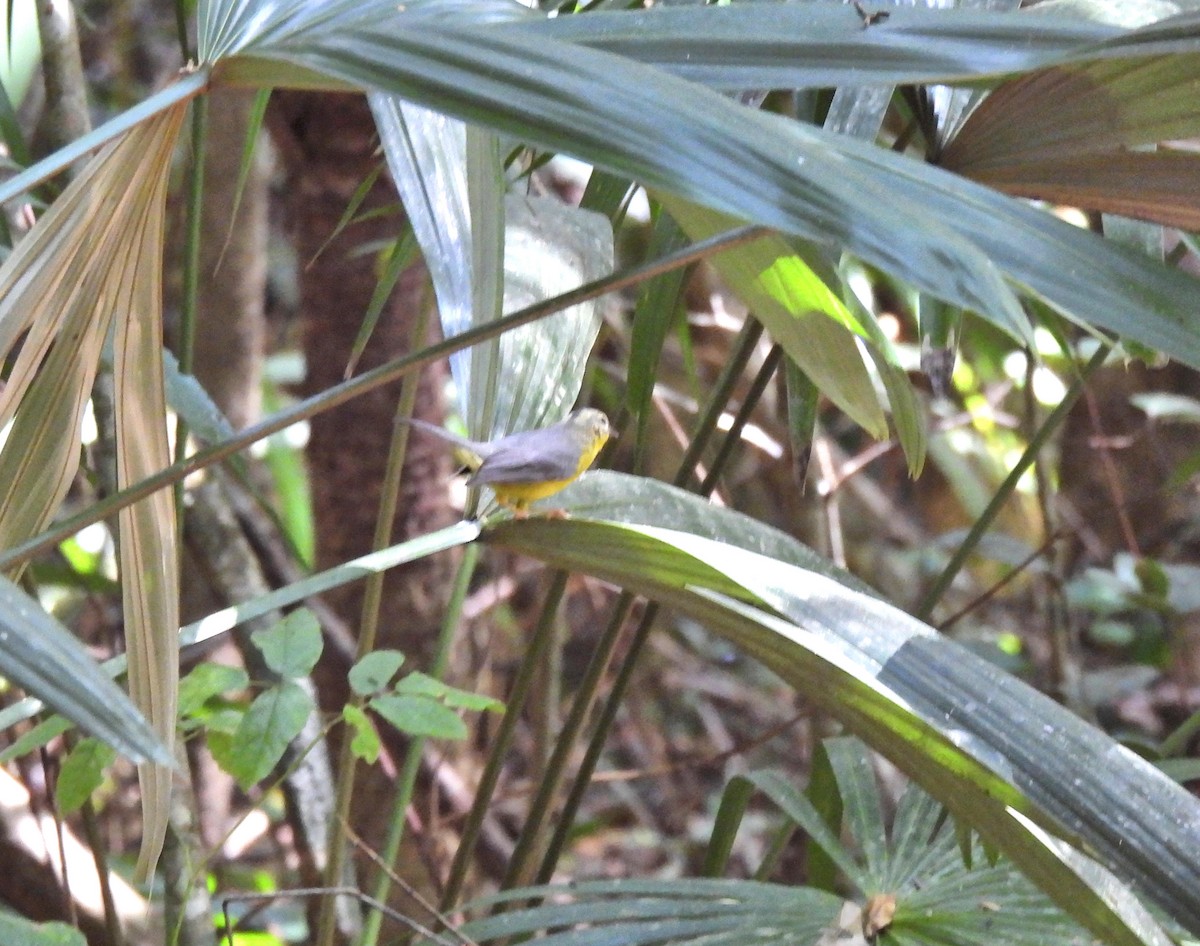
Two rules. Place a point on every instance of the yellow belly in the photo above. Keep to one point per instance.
(518, 496)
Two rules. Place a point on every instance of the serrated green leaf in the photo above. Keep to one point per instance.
(82, 773)
(293, 646)
(374, 671)
(419, 716)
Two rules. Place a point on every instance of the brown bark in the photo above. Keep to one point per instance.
(228, 351)
(233, 265)
(329, 147)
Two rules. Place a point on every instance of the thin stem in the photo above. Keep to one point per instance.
(95, 838)
(181, 30)
(384, 374)
(1013, 573)
(722, 391)
(490, 777)
(541, 806)
(721, 394)
(1063, 669)
(407, 782)
(368, 633)
(734, 436)
(984, 522)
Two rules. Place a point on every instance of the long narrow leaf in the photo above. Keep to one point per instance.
(668, 134)
(943, 234)
(799, 310)
(148, 551)
(42, 657)
(62, 284)
(940, 709)
(680, 911)
(188, 86)
(547, 248)
(805, 45)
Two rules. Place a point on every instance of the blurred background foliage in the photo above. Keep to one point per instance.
(893, 307)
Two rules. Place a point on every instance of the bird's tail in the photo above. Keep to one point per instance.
(471, 447)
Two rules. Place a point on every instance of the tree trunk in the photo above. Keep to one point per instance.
(329, 147)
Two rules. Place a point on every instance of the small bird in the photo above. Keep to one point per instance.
(531, 464)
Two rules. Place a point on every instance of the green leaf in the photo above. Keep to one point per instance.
(402, 254)
(224, 720)
(44, 658)
(943, 234)
(484, 248)
(292, 647)
(800, 809)
(254, 125)
(803, 407)
(82, 773)
(206, 681)
(374, 671)
(801, 313)
(658, 305)
(988, 746)
(816, 45)
(421, 684)
(419, 716)
(620, 115)
(40, 735)
(937, 897)
(730, 812)
(631, 912)
(22, 932)
(221, 621)
(861, 809)
(274, 719)
(822, 792)
(365, 744)
(638, 500)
